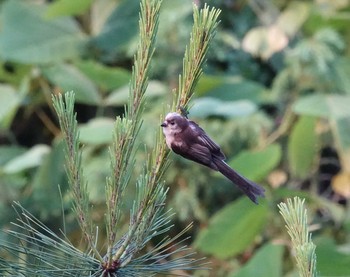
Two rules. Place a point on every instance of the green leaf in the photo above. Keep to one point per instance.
(232, 229)
(209, 82)
(32, 158)
(120, 28)
(48, 176)
(209, 106)
(342, 73)
(97, 131)
(173, 14)
(69, 78)
(120, 97)
(230, 89)
(284, 192)
(96, 170)
(330, 260)
(8, 153)
(326, 106)
(9, 101)
(107, 78)
(341, 131)
(302, 146)
(27, 38)
(67, 7)
(267, 262)
(256, 165)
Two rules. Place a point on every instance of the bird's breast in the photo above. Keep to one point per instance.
(168, 142)
(173, 141)
(176, 141)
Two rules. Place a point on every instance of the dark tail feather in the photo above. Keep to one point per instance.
(251, 189)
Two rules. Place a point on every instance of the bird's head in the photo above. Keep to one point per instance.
(174, 123)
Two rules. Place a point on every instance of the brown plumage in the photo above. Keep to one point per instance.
(188, 140)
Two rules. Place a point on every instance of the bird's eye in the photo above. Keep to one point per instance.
(172, 122)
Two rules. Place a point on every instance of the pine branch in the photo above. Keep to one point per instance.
(148, 24)
(126, 131)
(67, 119)
(203, 31)
(295, 217)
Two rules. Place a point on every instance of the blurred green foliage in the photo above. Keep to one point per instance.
(275, 96)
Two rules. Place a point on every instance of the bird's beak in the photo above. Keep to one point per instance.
(163, 124)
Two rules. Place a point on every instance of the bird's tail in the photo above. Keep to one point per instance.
(251, 189)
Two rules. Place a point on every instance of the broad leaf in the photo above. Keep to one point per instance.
(9, 101)
(8, 153)
(331, 261)
(67, 77)
(50, 174)
(302, 146)
(96, 170)
(97, 131)
(32, 158)
(208, 82)
(27, 37)
(341, 129)
(256, 165)
(67, 7)
(107, 78)
(267, 262)
(233, 229)
(120, 97)
(326, 106)
(342, 73)
(230, 89)
(209, 106)
(120, 28)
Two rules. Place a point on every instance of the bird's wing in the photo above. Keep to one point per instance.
(195, 152)
(204, 140)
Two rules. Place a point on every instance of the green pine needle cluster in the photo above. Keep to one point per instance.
(295, 216)
(203, 31)
(38, 251)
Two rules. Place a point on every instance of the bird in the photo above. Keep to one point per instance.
(185, 138)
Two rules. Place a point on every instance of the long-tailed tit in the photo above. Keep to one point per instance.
(188, 140)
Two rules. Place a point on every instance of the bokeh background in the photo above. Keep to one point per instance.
(275, 94)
